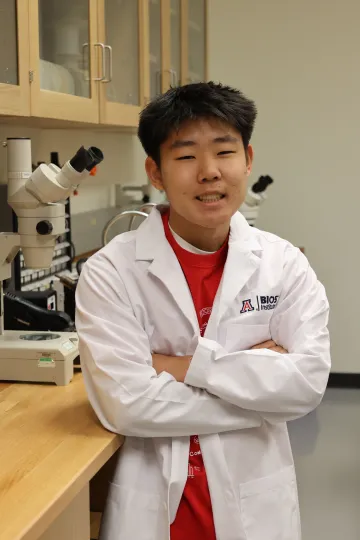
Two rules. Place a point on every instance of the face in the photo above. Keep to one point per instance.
(204, 171)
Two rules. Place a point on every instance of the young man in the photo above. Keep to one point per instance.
(200, 337)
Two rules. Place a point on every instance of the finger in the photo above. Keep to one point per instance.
(279, 349)
(265, 345)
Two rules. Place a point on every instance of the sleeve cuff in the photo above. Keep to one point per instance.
(201, 363)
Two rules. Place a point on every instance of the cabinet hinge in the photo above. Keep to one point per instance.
(31, 76)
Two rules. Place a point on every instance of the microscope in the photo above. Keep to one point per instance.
(38, 200)
(254, 198)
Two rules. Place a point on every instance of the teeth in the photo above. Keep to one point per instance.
(210, 198)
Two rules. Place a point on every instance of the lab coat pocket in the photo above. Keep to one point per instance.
(133, 514)
(241, 337)
(269, 507)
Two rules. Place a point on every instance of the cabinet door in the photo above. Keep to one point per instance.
(14, 58)
(165, 44)
(121, 27)
(156, 40)
(175, 40)
(196, 40)
(65, 59)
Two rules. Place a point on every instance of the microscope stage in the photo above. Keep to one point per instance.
(38, 356)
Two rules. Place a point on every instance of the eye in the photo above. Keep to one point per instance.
(224, 152)
(184, 157)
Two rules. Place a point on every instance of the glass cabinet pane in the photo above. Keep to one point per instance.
(175, 42)
(8, 43)
(155, 47)
(122, 34)
(196, 33)
(64, 46)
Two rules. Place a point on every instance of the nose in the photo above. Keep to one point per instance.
(208, 170)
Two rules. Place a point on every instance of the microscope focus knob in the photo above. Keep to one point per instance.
(44, 227)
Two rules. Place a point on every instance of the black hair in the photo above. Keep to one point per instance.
(166, 112)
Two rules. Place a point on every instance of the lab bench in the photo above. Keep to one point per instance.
(52, 446)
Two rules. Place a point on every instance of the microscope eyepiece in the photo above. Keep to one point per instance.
(262, 183)
(96, 155)
(86, 159)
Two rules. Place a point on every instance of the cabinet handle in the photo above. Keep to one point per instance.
(174, 77)
(109, 65)
(159, 81)
(103, 61)
(85, 62)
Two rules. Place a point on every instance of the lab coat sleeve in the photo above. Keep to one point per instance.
(123, 388)
(280, 387)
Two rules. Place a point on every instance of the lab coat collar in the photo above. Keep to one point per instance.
(152, 246)
(150, 235)
(242, 261)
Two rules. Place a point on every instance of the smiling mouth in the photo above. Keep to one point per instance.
(210, 198)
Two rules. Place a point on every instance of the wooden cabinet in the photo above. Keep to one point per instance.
(14, 58)
(176, 46)
(97, 61)
(178, 43)
(88, 60)
(196, 36)
(63, 60)
(124, 80)
(166, 43)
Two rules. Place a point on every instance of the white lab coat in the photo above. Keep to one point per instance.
(132, 300)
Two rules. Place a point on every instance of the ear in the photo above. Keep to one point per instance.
(154, 174)
(249, 159)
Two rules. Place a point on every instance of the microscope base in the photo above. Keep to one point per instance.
(46, 357)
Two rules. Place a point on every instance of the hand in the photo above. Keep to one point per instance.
(272, 346)
(177, 366)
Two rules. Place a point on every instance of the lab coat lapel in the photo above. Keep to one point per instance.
(152, 245)
(242, 261)
(239, 268)
(166, 267)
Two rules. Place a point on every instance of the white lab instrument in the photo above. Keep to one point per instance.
(38, 198)
(254, 198)
(38, 356)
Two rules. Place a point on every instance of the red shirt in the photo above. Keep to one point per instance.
(194, 518)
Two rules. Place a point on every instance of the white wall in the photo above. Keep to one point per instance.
(300, 62)
(123, 160)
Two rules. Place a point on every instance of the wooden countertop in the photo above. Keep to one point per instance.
(51, 445)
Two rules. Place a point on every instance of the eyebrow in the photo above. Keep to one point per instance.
(226, 139)
(182, 143)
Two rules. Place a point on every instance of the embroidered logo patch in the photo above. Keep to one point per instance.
(262, 303)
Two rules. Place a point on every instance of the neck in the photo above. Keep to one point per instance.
(204, 238)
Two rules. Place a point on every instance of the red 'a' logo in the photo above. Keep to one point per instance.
(247, 306)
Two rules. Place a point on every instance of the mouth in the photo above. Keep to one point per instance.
(210, 198)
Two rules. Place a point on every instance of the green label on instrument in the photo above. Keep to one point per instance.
(46, 361)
